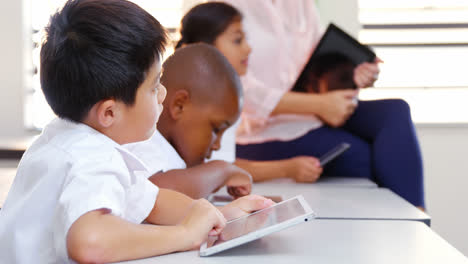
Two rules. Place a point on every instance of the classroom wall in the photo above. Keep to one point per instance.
(15, 39)
(346, 16)
(445, 152)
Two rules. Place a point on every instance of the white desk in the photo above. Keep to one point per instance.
(332, 202)
(346, 182)
(335, 241)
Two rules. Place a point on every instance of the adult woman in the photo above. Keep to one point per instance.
(278, 124)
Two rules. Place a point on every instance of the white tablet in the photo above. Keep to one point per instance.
(258, 224)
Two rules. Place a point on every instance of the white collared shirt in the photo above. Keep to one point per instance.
(71, 169)
(157, 154)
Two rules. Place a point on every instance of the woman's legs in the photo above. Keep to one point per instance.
(396, 154)
(383, 142)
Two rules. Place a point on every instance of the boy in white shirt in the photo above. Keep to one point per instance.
(204, 98)
(78, 195)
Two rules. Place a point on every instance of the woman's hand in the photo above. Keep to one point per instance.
(365, 74)
(337, 106)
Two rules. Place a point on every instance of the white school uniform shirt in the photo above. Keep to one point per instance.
(71, 169)
(157, 154)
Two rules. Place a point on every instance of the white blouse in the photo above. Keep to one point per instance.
(283, 35)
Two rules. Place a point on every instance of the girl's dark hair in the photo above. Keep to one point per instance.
(205, 22)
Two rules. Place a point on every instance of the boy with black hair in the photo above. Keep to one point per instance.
(204, 98)
(78, 195)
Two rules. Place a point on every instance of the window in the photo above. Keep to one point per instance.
(424, 45)
(37, 111)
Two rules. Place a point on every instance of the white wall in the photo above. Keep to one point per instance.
(15, 39)
(342, 13)
(445, 154)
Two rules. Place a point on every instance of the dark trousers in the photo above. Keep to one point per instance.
(384, 148)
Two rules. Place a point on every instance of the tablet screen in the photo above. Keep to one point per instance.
(257, 221)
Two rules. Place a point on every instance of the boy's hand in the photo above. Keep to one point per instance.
(304, 169)
(245, 205)
(202, 220)
(239, 183)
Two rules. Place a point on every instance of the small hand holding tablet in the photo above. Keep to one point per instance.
(258, 224)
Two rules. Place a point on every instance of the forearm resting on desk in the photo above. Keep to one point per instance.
(170, 208)
(181, 224)
(100, 237)
(198, 181)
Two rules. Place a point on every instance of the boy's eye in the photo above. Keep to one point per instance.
(216, 130)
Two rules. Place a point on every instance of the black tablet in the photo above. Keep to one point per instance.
(336, 40)
(336, 51)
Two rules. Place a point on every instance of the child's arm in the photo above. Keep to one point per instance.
(200, 181)
(301, 169)
(175, 203)
(100, 237)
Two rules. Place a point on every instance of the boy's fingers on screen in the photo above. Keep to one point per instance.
(254, 202)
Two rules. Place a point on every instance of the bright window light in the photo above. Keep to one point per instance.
(38, 112)
(424, 46)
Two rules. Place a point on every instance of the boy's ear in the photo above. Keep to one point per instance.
(178, 103)
(107, 112)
